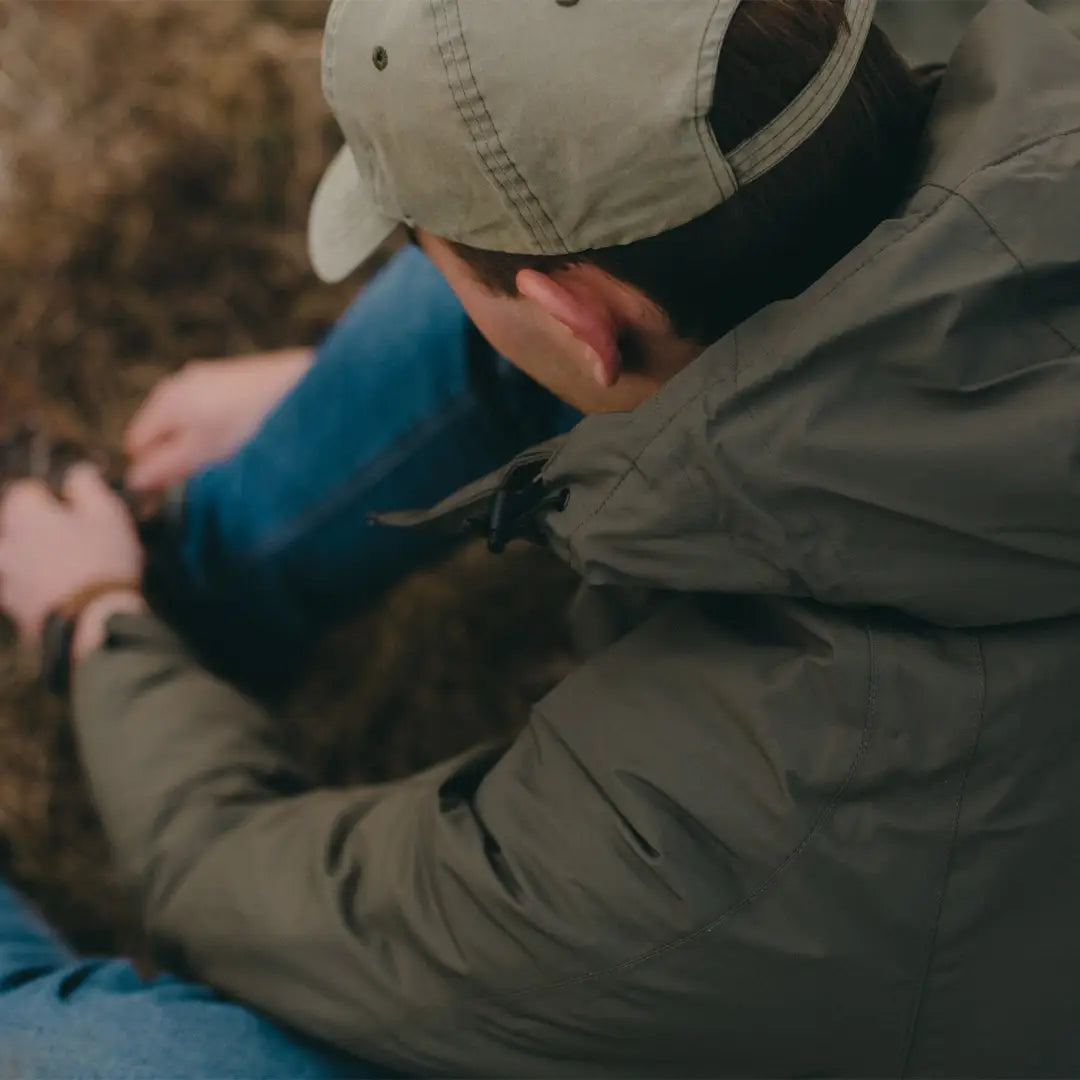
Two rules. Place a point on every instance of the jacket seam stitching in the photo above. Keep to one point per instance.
(943, 888)
(1005, 246)
(823, 816)
(950, 193)
(710, 383)
(1042, 140)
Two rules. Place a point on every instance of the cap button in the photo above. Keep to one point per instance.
(566, 3)
(380, 57)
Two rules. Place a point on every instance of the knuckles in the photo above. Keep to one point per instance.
(21, 496)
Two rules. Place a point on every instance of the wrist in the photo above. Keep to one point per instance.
(77, 626)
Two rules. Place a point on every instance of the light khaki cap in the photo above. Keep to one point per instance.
(538, 126)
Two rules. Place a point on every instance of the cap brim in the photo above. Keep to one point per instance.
(345, 228)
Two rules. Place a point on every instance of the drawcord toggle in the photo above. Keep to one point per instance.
(515, 505)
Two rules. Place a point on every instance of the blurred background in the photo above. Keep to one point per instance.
(157, 158)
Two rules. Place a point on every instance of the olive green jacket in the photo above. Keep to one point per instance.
(812, 804)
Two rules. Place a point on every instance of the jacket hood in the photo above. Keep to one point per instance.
(906, 433)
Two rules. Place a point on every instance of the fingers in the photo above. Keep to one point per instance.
(85, 487)
(166, 464)
(156, 418)
(20, 496)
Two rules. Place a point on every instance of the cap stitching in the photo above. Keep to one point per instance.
(469, 111)
(794, 134)
(797, 136)
(778, 130)
(837, 68)
(476, 116)
(757, 155)
(706, 81)
(699, 108)
(765, 156)
(501, 158)
(330, 53)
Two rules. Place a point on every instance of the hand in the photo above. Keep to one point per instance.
(205, 412)
(50, 550)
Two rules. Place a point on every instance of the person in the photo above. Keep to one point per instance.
(64, 1016)
(805, 806)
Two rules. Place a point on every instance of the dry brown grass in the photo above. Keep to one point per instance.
(156, 162)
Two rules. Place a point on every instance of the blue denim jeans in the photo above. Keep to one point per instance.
(63, 1017)
(403, 404)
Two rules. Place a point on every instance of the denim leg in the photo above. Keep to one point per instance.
(28, 945)
(388, 417)
(66, 1018)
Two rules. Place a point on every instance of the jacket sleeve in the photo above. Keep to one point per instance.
(408, 923)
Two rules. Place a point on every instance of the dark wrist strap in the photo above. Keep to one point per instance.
(58, 632)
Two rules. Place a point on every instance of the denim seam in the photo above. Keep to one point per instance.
(276, 540)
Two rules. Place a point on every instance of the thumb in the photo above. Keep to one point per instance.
(85, 487)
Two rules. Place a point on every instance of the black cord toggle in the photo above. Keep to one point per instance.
(515, 505)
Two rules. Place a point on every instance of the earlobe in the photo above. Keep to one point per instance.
(583, 312)
(605, 369)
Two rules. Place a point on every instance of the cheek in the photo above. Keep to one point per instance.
(529, 344)
(494, 316)
(501, 327)
(512, 326)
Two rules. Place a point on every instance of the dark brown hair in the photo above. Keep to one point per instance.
(779, 234)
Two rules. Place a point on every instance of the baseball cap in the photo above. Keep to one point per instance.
(538, 126)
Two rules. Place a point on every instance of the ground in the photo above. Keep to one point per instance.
(156, 163)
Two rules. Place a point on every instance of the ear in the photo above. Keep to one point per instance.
(584, 312)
